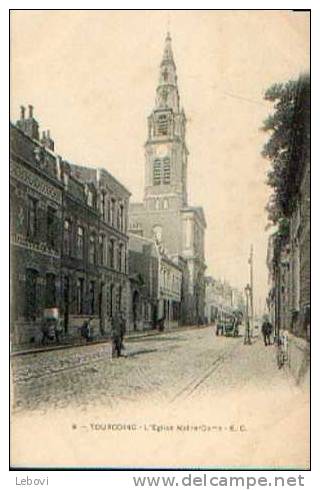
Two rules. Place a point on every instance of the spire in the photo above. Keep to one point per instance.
(167, 54)
(167, 91)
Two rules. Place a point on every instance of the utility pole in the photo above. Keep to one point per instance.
(251, 285)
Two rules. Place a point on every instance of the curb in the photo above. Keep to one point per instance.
(134, 337)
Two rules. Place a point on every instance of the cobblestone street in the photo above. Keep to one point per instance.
(186, 377)
(167, 367)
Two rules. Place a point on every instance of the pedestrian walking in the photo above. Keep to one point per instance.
(122, 328)
(58, 330)
(116, 334)
(266, 331)
(86, 329)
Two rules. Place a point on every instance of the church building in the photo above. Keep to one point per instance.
(165, 213)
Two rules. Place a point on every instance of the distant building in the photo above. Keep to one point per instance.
(221, 299)
(68, 237)
(156, 285)
(165, 213)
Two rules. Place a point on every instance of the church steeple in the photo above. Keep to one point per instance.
(168, 54)
(166, 151)
(167, 90)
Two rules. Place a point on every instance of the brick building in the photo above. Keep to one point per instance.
(288, 257)
(68, 237)
(165, 213)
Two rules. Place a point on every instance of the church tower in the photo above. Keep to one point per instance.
(166, 153)
(165, 214)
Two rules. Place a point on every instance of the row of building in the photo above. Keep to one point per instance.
(289, 252)
(79, 245)
(222, 300)
(71, 249)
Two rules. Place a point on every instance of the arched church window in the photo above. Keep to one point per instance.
(166, 171)
(157, 172)
(163, 120)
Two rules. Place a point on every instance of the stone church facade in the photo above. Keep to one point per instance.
(165, 213)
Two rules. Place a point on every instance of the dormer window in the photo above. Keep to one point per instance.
(65, 179)
(90, 198)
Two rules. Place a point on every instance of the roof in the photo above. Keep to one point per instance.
(94, 174)
(138, 243)
(198, 210)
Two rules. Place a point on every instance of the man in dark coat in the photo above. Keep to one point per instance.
(122, 327)
(116, 334)
(266, 331)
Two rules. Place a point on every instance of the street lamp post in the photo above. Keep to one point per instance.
(247, 335)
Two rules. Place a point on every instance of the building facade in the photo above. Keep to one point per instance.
(222, 299)
(68, 238)
(156, 285)
(165, 214)
(36, 197)
(289, 254)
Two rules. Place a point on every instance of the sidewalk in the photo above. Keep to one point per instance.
(132, 335)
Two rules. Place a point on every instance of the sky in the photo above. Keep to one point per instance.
(92, 75)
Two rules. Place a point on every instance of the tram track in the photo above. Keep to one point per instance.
(197, 381)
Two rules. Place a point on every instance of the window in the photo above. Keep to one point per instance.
(80, 295)
(101, 250)
(162, 124)
(166, 171)
(90, 198)
(103, 206)
(111, 300)
(92, 297)
(31, 217)
(31, 294)
(111, 253)
(67, 238)
(120, 257)
(80, 242)
(50, 295)
(121, 217)
(118, 218)
(157, 172)
(92, 249)
(66, 179)
(108, 211)
(51, 219)
(157, 204)
(165, 204)
(120, 298)
(113, 212)
(165, 75)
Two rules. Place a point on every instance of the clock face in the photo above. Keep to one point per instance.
(157, 232)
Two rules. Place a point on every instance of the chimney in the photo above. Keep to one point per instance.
(47, 141)
(29, 126)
